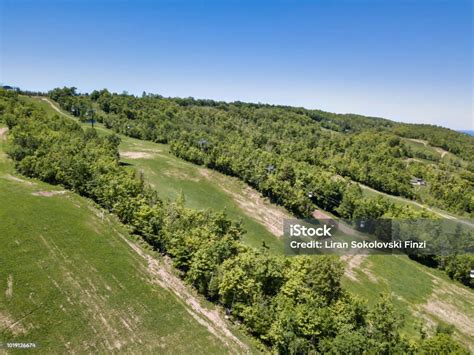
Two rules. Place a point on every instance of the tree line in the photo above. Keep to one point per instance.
(367, 150)
(287, 155)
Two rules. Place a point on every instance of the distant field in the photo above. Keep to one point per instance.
(71, 279)
(420, 293)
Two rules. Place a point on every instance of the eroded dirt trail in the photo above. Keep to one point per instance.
(162, 274)
(53, 106)
(252, 203)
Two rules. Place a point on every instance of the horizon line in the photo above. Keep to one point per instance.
(126, 92)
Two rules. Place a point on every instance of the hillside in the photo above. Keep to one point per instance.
(418, 289)
(423, 295)
(72, 279)
(236, 177)
(308, 146)
(275, 297)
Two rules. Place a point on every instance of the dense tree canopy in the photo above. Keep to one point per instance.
(309, 149)
(293, 305)
(301, 159)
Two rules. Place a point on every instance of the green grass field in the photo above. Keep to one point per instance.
(70, 281)
(202, 188)
(420, 293)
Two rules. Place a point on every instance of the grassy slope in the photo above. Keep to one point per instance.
(172, 176)
(419, 292)
(70, 280)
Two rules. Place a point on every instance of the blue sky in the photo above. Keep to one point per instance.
(407, 60)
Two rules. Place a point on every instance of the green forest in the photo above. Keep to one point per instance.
(300, 159)
(273, 147)
(304, 159)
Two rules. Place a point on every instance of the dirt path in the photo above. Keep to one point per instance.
(136, 155)
(425, 143)
(53, 106)
(17, 179)
(49, 193)
(441, 151)
(162, 274)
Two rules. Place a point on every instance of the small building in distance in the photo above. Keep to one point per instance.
(9, 88)
(418, 181)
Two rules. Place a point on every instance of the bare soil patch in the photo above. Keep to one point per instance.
(206, 173)
(9, 290)
(17, 179)
(3, 131)
(136, 155)
(8, 324)
(253, 204)
(48, 193)
(441, 151)
(452, 304)
(449, 314)
(353, 262)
